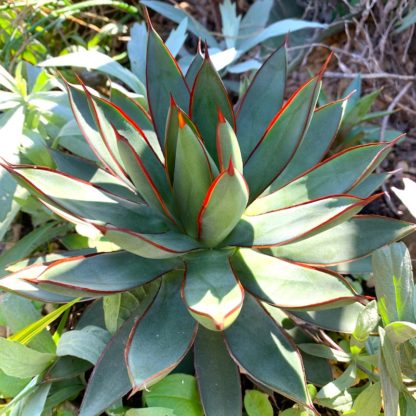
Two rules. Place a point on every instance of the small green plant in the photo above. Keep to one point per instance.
(222, 222)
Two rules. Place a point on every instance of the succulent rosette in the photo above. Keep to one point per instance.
(231, 218)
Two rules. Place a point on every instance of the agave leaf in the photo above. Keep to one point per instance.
(336, 175)
(109, 380)
(195, 66)
(90, 172)
(17, 284)
(262, 100)
(227, 145)
(262, 349)
(192, 176)
(154, 246)
(318, 138)
(211, 291)
(290, 285)
(162, 337)
(222, 207)
(90, 124)
(133, 108)
(369, 185)
(286, 225)
(171, 139)
(207, 98)
(338, 319)
(282, 137)
(118, 271)
(356, 238)
(164, 79)
(82, 200)
(154, 188)
(218, 376)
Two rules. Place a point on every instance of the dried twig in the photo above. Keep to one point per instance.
(375, 75)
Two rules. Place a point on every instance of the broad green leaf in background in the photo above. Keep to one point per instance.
(17, 313)
(17, 360)
(151, 411)
(25, 335)
(100, 62)
(177, 392)
(392, 268)
(87, 343)
(257, 403)
(368, 402)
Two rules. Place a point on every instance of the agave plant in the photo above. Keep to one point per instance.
(227, 217)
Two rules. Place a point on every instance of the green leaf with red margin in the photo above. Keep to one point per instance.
(109, 380)
(195, 66)
(263, 350)
(90, 172)
(351, 240)
(338, 319)
(17, 284)
(154, 189)
(212, 293)
(222, 207)
(316, 143)
(262, 100)
(370, 184)
(83, 201)
(286, 225)
(161, 337)
(334, 176)
(192, 176)
(289, 285)
(87, 122)
(139, 117)
(164, 79)
(227, 145)
(171, 138)
(153, 246)
(218, 376)
(207, 97)
(101, 273)
(281, 139)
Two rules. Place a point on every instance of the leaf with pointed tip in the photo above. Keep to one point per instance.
(260, 347)
(162, 337)
(318, 138)
(218, 376)
(227, 145)
(164, 79)
(290, 285)
(171, 137)
(356, 238)
(336, 175)
(91, 125)
(110, 381)
(83, 200)
(339, 319)
(118, 272)
(194, 67)
(17, 284)
(286, 225)
(192, 177)
(222, 207)
(153, 246)
(262, 100)
(211, 291)
(281, 139)
(208, 96)
(153, 188)
(369, 185)
(90, 172)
